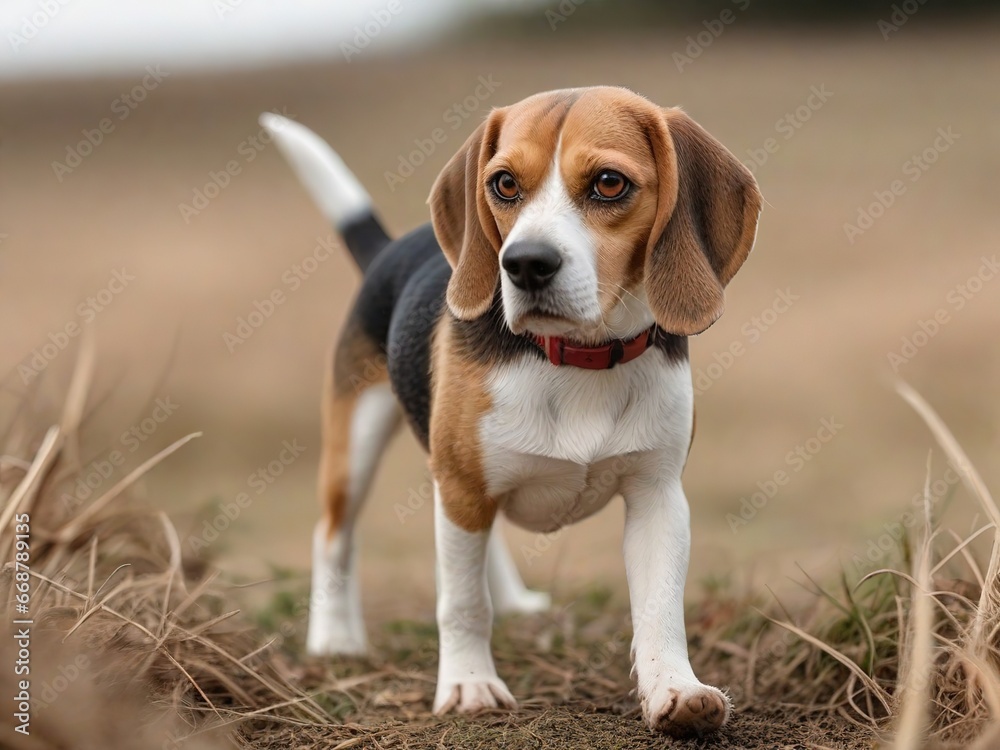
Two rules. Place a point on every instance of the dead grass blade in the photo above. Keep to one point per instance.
(918, 657)
(952, 449)
(989, 602)
(79, 386)
(72, 529)
(28, 487)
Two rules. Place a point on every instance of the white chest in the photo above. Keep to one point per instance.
(553, 440)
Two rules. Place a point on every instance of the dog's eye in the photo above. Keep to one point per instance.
(610, 186)
(505, 186)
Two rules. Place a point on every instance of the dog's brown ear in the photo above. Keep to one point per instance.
(464, 225)
(705, 224)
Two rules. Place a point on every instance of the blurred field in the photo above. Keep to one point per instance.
(825, 358)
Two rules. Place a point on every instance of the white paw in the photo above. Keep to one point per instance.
(467, 697)
(525, 602)
(330, 638)
(686, 709)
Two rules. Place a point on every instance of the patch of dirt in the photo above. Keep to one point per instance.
(570, 673)
(576, 726)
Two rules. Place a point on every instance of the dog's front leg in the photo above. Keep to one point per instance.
(467, 677)
(657, 547)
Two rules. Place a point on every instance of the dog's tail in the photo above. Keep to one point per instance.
(332, 186)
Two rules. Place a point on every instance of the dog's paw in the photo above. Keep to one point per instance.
(468, 697)
(526, 602)
(688, 711)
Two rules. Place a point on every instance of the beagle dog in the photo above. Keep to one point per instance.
(535, 337)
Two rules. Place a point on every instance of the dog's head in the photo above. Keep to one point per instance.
(599, 212)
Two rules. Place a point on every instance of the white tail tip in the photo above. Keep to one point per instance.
(332, 186)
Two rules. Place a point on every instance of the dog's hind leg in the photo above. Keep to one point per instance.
(360, 414)
(507, 590)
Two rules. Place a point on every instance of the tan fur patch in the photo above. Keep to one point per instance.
(334, 463)
(460, 399)
(463, 225)
(466, 225)
(697, 247)
(603, 131)
(357, 365)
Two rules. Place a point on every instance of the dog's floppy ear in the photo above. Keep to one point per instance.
(705, 224)
(464, 225)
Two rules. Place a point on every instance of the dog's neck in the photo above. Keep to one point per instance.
(488, 340)
(562, 351)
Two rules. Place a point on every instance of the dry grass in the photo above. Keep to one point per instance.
(952, 658)
(158, 637)
(907, 656)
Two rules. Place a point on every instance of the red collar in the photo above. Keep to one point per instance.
(603, 357)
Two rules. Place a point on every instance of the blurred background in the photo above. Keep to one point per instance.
(139, 198)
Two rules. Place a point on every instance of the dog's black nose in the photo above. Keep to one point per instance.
(531, 265)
